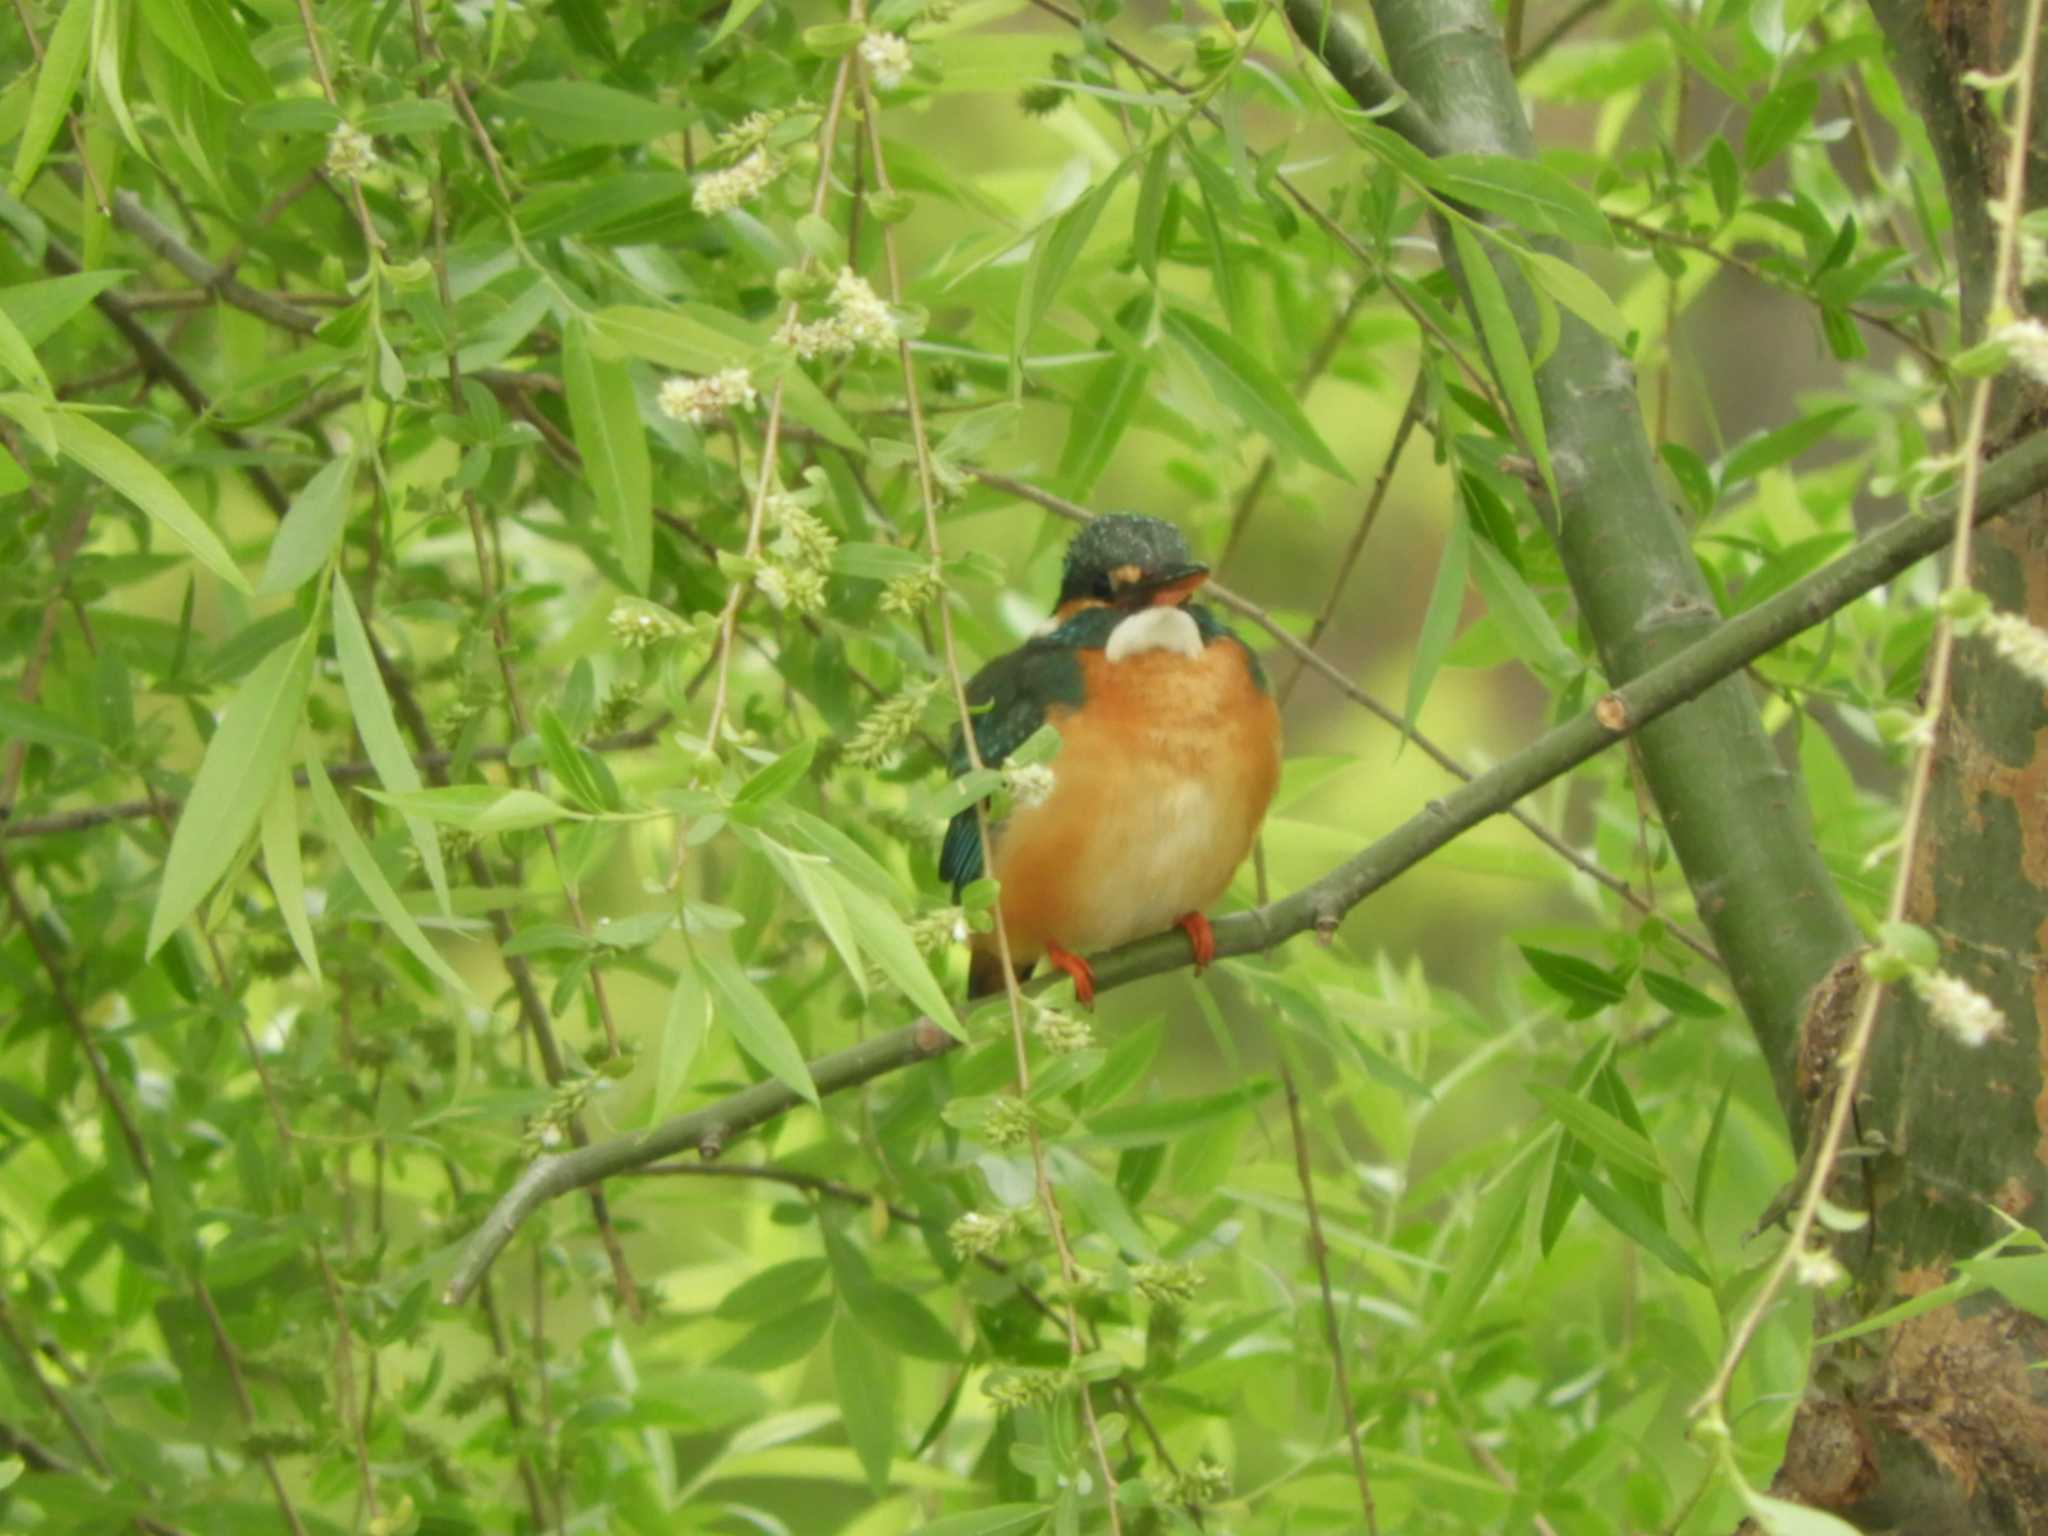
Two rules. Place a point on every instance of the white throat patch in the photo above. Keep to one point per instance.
(1155, 629)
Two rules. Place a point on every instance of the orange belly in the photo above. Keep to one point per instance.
(1158, 791)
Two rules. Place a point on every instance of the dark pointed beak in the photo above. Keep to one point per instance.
(1170, 587)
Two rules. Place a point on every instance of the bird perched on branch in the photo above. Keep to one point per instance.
(1169, 753)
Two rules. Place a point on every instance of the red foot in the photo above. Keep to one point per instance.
(1076, 967)
(1202, 937)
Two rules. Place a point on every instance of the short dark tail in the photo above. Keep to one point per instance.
(985, 973)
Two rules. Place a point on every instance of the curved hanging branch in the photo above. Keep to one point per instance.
(2016, 475)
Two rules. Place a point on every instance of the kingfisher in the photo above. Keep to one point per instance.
(1169, 754)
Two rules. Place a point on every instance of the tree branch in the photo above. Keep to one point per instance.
(2018, 474)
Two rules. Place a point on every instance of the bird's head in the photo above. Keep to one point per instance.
(1128, 561)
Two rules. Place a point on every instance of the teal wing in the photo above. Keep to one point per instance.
(1010, 697)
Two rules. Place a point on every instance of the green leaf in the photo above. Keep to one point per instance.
(804, 874)
(312, 526)
(57, 80)
(1504, 345)
(779, 777)
(479, 808)
(243, 763)
(1149, 220)
(583, 112)
(879, 562)
(886, 940)
(1779, 1517)
(22, 721)
(378, 726)
(362, 866)
(1725, 176)
(1137, 1125)
(606, 418)
(865, 1379)
(891, 1314)
(735, 18)
(1579, 982)
(1250, 389)
(1679, 997)
(2023, 1281)
(1627, 1218)
(1440, 619)
(1577, 293)
(1778, 119)
(1482, 1255)
(996, 1520)
(781, 1340)
(1523, 620)
(1055, 251)
(19, 358)
(683, 1027)
(1525, 192)
(100, 453)
(1767, 450)
(287, 874)
(775, 1289)
(756, 1027)
(1607, 1138)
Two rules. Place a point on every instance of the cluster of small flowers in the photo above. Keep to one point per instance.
(704, 400)
(1028, 785)
(977, 1235)
(859, 319)
(744, 136)
(637, 624)
(2026, 342)
(908, 596)
(887, 57)
(1959, 1007)
(803, 537)
(1166, 1284)
(878, 738)
(1009, 1123)
(1062, 1032)
(800, 588)
(937, 931)
(1021, 1386)
(1206, 1482)
(718, 191)
(1818, 1268)
(549, 1126)
(350, 154)
(620, 702)
(2020, 643)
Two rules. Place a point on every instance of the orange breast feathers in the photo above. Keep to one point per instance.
(1158, 790)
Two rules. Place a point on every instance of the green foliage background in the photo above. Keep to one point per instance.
(281, 497)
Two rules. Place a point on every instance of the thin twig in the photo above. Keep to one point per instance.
(1319, 1251)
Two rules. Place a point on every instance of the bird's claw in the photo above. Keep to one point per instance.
(1202, 937)
(1076, 967)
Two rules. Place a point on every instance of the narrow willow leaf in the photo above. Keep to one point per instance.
(996, 1520)
(735, 18)
(886, 940)
(40, 308)
(756, 1027)
(479, 808)
(287, 874)
(1778, 119)
(57, 78)
(362, 866)
(1577, 293)
(583, 112)
(243, 763)
(683, 1028)
(1779, 1517)
(606, 417)
(19, 358)
(804, 874)
(96, 450)
(1524, 192)
(779, 777)
(1607, 1138)
(865, 1379)
(1523, 619)
(1504, 345)
(1148, 223)
(1056, 250)
(311, 527)
(1482, 1255)
(378, 726)
(1251, 389)
(1440, 619)
(1767, 450)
